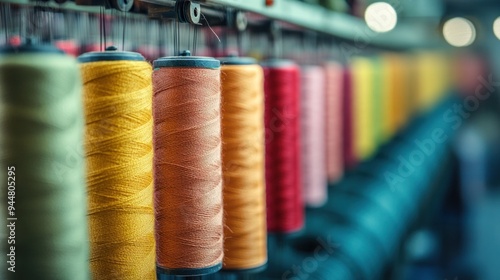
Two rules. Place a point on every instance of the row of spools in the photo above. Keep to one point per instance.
(360, 230)
(127, 170)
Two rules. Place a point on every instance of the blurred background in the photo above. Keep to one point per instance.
(412, 186)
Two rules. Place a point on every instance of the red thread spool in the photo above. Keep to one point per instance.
(15, 41)
(285, 211)
(348, 131)
(68, 46)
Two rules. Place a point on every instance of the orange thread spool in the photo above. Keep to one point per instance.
(187, 165)
(245, 229)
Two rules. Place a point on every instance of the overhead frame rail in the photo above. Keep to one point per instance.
(406, 35)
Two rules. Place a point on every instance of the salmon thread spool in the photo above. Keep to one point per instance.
(119, 148)
(245, 232)
(187, 165)
(334, 120)
(349, 154)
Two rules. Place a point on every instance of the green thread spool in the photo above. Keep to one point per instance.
(42, 137)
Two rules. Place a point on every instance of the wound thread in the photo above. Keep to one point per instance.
(187, 167)
(402, 105)
(314, 177)
(363, 108)
(379, 104)
(42, 144)
(334, 120)
(285, 211)
(117, 98)
(348, 136)
(245, 232)
(389, 127)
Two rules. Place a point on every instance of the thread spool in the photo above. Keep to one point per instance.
(349, 153)
(371, 217)
(374, 189)
(312, 114)
(295, 259)
(395, 77)
(242, 107)
(430, 80)
(281, 117)
(394, 81)
(187, 164)
(334, 120)
(42, 139)
(70, 47)
(328, 234)
(378, 101)
(387, 98)
(363, 108)
(117, 97)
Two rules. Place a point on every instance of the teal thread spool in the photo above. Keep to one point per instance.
(42, 137)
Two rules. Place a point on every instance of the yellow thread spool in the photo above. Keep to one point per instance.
(431, 79)
(119, 123)
(387, 99)
(364, 142)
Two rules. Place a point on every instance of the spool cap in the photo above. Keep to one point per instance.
(186, 60)
(111, 54)
(235, 60)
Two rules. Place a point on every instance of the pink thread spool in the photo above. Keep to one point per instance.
(314, 179)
